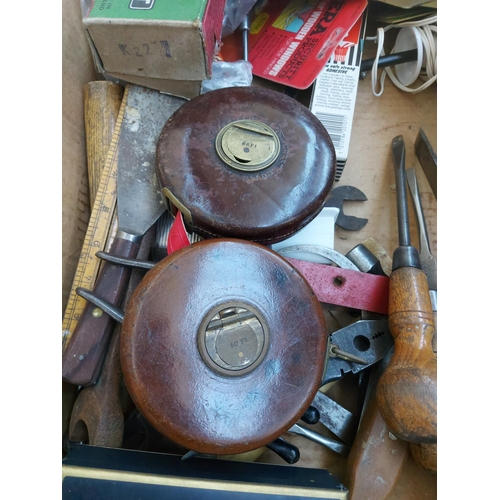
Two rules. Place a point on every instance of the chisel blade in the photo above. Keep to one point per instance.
(139, 194)
(336, 418)
(428, 159)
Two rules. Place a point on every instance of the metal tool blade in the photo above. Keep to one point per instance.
(398, 156)
(138, 191)
(333, 445)
(336, 418)
(427, 260)
(427, 158)
(368, 339)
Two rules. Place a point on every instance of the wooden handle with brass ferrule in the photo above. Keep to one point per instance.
(407, 390)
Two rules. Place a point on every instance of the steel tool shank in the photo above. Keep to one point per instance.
(407, 390)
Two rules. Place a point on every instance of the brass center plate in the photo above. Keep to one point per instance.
(247, 145)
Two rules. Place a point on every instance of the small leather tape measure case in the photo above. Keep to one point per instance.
(223, 346)
(246, 163)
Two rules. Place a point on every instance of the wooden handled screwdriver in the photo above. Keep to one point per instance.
(407, 390)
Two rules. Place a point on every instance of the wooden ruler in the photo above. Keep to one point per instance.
(98, 228)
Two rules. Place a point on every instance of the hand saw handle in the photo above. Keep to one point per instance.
(84, 354)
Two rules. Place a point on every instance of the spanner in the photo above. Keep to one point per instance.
(336, 199)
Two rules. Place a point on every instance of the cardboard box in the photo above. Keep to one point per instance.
(144, 41)
(179, 88)
(377, 122)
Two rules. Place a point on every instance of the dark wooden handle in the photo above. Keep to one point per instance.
(97, 417)
(407, 390)
(84, 354)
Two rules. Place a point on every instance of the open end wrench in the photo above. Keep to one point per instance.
(336, 199)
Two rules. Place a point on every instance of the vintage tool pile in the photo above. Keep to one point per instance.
(197, 333)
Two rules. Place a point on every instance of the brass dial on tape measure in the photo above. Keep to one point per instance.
(247, 145)
(223, 346)
(245, 162)
(234, 340)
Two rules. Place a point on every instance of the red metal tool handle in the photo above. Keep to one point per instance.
(344, 287)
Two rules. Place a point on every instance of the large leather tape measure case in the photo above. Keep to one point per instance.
(246, 162)
(215, 387)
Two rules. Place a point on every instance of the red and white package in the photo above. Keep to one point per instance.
(291, 40)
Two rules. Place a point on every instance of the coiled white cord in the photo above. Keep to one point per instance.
(427, 55)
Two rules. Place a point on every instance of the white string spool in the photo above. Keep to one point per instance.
(420, 35)
(408, 39)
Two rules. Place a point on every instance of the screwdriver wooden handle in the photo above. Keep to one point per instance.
(97, 417)
(407, 390)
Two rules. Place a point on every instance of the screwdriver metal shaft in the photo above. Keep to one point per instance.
(427, 260)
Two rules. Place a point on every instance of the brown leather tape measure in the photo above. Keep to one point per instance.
(223, 346)
(246, 162)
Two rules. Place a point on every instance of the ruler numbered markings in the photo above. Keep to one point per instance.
(97, 233)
